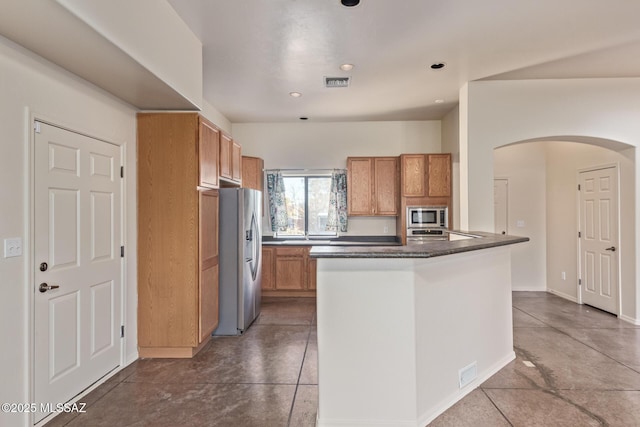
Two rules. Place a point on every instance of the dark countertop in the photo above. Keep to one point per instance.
(332, 241)
(425, 250)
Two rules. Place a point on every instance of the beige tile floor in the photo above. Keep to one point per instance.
(587, 373)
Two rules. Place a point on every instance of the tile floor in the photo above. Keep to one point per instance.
(587, 372)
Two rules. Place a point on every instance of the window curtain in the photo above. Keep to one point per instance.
(337, 216)
(277, 205)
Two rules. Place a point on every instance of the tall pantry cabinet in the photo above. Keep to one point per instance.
(177, 233)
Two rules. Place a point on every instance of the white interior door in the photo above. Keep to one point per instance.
(501, 205)
(78, 265)
(599, 238)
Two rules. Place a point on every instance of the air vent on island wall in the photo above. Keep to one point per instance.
(336, 81)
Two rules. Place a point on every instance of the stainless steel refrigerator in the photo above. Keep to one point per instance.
(240, 259)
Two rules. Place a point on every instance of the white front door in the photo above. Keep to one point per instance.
(599, 238)
(77, 306)
(501, 205)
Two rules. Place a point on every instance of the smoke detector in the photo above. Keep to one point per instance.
(337, 81)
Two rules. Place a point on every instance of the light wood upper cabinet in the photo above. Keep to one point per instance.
(439, 180)
(426, 175)
(225, 156)
(177, 237)
(413, 169)
(359, 186)
(208, 152)
(252, 173)
(230, 159)
(236, 162)
(385, 190)
(372, 186)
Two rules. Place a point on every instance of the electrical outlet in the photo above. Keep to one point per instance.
(564, 275)
(386, 229)
(520, 223)
(12, 247)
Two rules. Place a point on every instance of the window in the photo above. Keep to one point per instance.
(307, 200)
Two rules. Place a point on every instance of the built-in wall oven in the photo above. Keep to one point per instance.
(427, 223)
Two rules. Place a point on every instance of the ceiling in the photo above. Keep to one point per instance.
(256, 52)
(48, 29)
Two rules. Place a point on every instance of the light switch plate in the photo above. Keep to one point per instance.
(12, 247)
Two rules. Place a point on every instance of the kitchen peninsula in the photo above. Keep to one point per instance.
(406, 331)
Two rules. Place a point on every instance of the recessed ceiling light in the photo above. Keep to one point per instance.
(295, 94)
(346, 67)
(438, 65)
(439, 101)
(350, 3)
(304, 118)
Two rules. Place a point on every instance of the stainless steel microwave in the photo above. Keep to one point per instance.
(427, 216)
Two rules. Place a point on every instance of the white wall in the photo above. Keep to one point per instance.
(327, 146)
(564, 160)
(451, 144)
(497, 113)
(32, 86)
(153, 34)
(524, 166)
(212, 114)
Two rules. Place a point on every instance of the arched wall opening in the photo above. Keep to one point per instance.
(542, 176)
(498, 113)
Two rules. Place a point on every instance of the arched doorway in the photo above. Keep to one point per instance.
(543, 176)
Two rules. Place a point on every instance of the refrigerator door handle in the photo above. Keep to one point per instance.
(255, 250)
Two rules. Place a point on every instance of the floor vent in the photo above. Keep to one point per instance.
(467, 374)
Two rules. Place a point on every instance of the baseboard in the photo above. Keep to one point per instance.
(172, 352)
(363, 423)
(563, 295)
(629, 319)
(529, 289)
(129, 359)
(433, 413)
(452, 400)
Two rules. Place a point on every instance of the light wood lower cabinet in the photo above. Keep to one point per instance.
(288, 271)
(268, 268)
(312, 269)
(209, 261)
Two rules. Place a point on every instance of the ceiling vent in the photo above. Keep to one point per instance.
(336, 81)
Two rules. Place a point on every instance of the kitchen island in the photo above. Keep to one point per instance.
(404, 332)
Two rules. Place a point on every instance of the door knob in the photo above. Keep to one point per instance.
(44, 287)
(612, 249)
